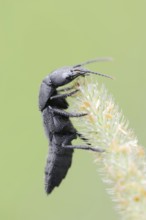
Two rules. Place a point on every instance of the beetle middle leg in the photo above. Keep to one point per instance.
(83, 138)
(67, 114)
(83, 147)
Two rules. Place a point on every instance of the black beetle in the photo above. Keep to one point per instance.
(59, 129)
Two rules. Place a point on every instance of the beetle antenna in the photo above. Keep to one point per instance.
(97, 73)
(99, 59)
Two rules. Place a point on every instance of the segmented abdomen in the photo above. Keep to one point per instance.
(59, 131)
(58, 162)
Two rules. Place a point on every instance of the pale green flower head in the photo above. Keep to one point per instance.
(123, 163)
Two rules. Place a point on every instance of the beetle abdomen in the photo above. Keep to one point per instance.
(58, 162)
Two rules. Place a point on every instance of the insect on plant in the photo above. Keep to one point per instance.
(58, 127)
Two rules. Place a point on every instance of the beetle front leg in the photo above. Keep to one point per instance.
(64, 95)
(65, 89)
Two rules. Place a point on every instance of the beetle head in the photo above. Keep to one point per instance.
(65, 75)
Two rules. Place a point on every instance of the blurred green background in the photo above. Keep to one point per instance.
(36, 38)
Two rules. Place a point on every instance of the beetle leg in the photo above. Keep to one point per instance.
(83, 138)
(68, 114)
(65, 89)
(82, 147)
(64, 95)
